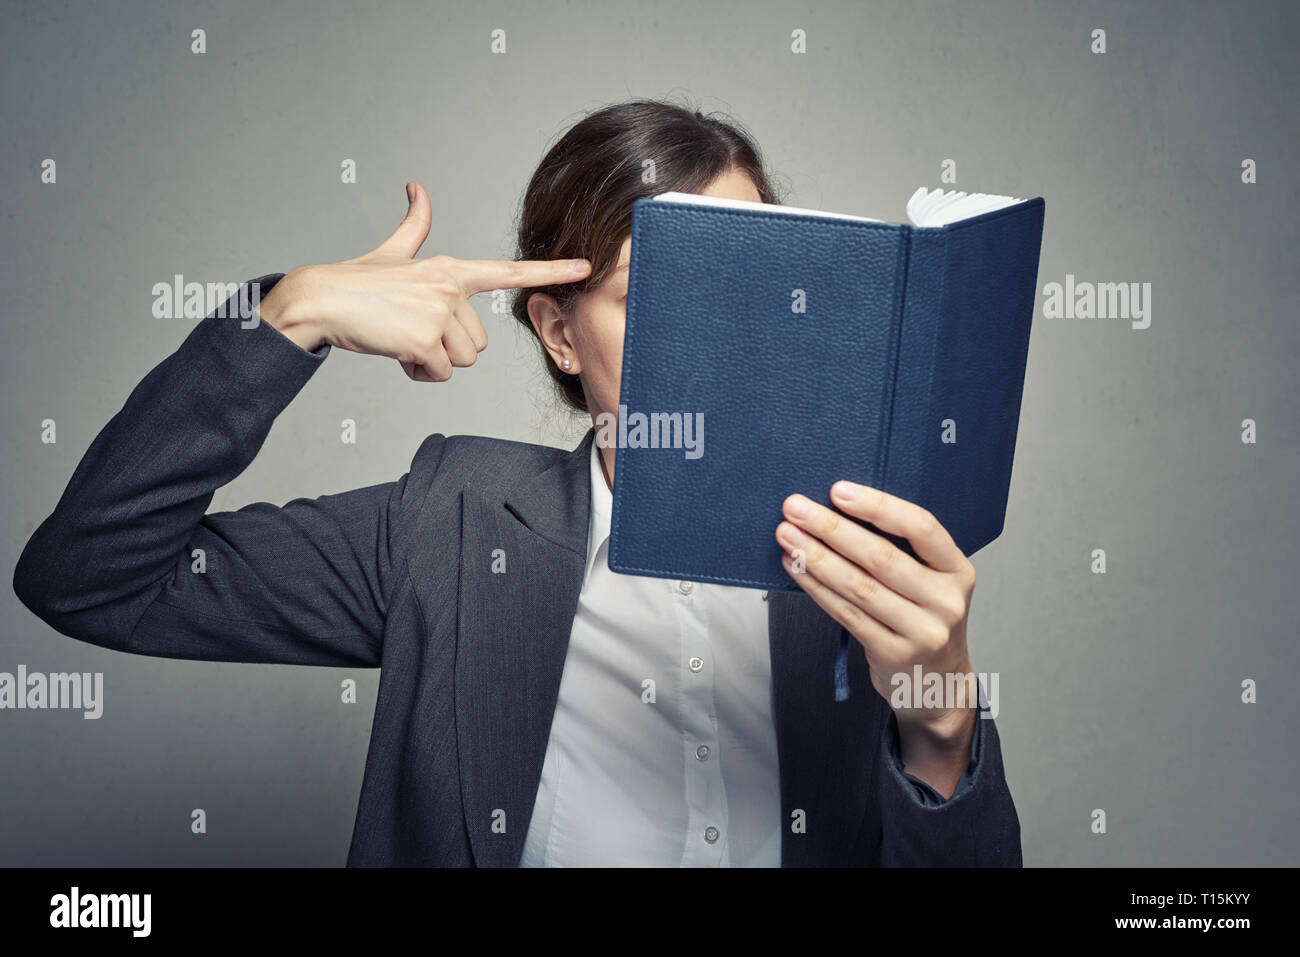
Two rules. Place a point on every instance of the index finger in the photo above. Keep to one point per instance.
(482, 275)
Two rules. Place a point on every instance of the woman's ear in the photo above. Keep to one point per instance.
(552, 328)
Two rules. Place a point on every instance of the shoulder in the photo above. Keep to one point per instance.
(480, 462)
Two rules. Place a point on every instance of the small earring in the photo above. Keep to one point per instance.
(566, 363)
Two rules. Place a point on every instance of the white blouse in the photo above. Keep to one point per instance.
(662, 750)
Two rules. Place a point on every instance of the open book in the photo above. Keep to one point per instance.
(770, 350)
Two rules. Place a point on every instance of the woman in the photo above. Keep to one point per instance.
(534, 708)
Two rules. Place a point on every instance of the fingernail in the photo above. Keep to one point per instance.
(790, 536)
(798, 507)
(410, 193)
(845, 490)
(579, 266)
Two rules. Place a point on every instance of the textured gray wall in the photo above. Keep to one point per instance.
(1119, 691)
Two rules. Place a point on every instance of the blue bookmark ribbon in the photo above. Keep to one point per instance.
(842, 667)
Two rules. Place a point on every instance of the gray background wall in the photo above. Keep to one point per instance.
(1118, 691)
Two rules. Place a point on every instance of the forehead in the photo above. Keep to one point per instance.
(623, 261)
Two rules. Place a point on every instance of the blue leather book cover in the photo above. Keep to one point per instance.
(769, 352)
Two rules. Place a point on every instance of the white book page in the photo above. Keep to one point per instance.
(925, 208)
(935, 207)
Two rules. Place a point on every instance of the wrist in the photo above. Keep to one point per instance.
(286, 308)
(938, 752)
(945, 725)
(948, 733)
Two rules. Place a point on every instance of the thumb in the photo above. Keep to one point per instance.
(414, 229)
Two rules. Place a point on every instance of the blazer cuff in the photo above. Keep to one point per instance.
(264, 285)
(977, 826)
(249, 352)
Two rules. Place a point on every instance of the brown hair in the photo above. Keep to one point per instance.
(578, 204)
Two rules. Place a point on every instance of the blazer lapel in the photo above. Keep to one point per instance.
(512, 641)
(822, 744)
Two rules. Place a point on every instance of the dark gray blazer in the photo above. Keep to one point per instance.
(398, 576)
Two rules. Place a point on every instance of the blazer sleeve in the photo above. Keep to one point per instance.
(129, 561)
(976, 827)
